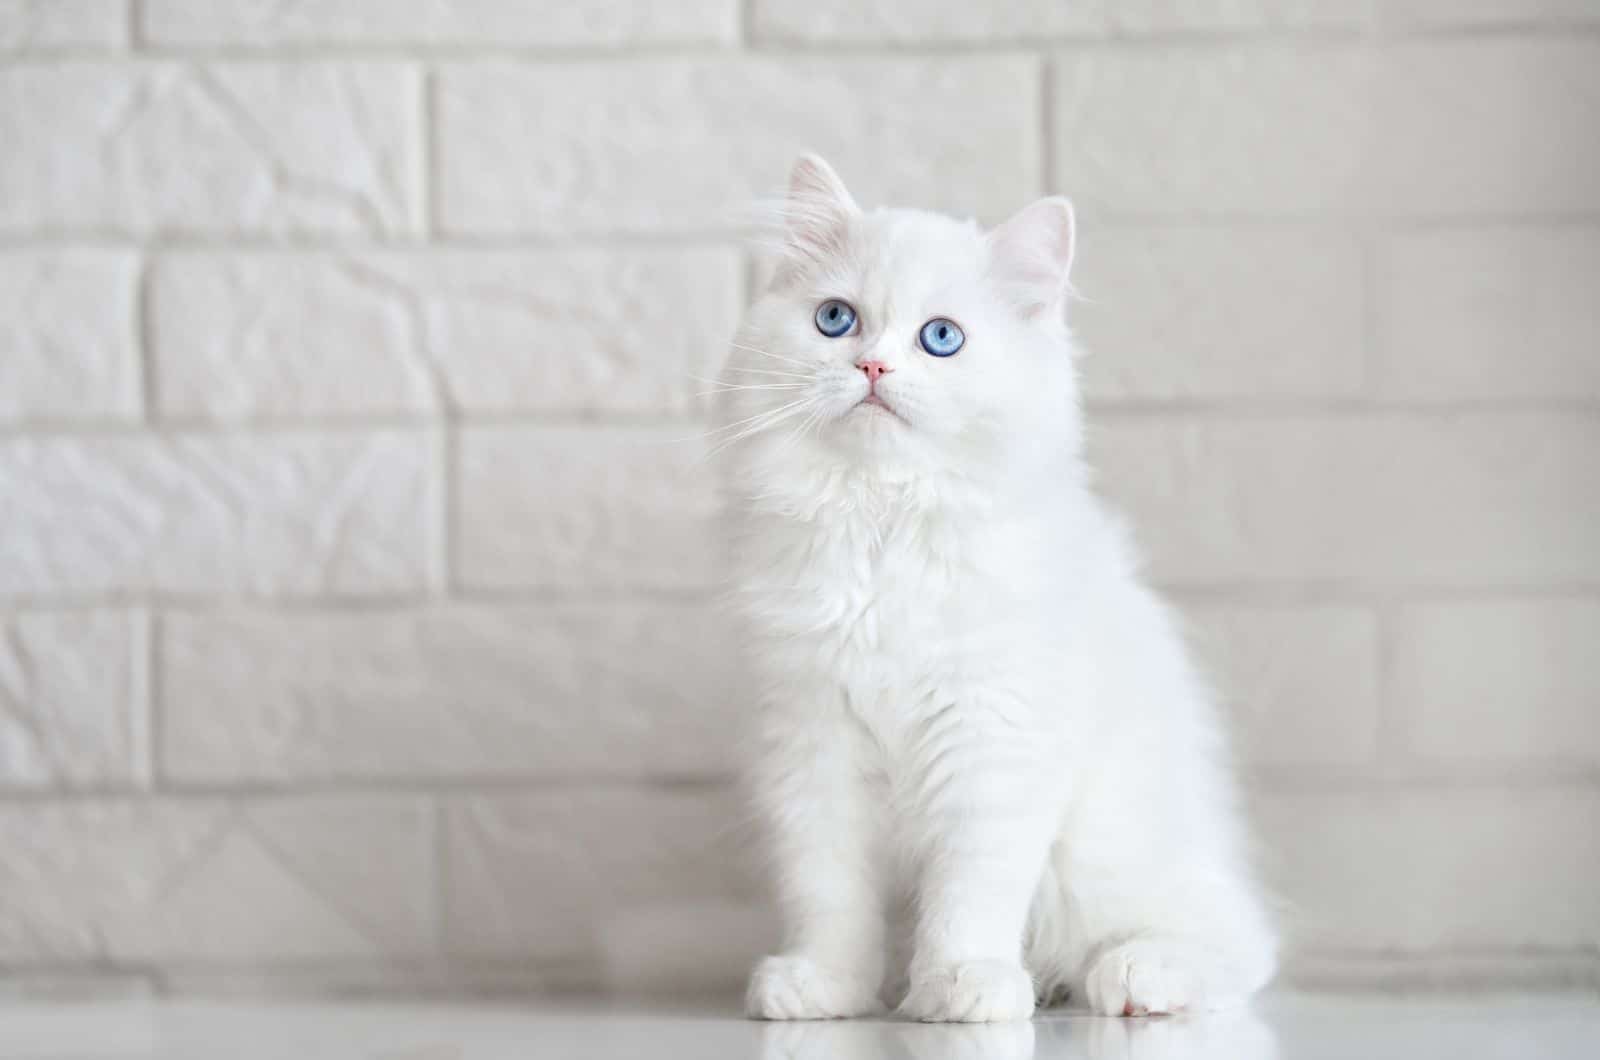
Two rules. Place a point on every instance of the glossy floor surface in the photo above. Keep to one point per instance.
(1288, 1025)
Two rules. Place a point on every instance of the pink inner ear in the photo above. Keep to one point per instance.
(815, 216)
(1032, 252)
(813, 181)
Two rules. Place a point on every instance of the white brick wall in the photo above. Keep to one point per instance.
(356, 558)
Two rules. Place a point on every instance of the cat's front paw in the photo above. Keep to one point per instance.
(1145, 977)
(970, 992)
(797, 988)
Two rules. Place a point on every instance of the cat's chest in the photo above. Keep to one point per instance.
(870, 585)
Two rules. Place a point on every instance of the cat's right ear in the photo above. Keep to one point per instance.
(1031, 255)
(817, 213)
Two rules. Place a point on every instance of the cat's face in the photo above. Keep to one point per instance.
(904, 340)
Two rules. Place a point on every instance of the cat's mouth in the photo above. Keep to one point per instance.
(873, 401)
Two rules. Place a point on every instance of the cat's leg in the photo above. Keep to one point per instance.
(981, 821)
(1165, 930)
(824, 829)
(902, 928)
(1169, 972)
(1047, 948)
(1162, 911)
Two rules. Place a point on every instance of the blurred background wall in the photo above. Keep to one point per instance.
(354, 564)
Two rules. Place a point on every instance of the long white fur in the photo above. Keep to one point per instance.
(987, 769)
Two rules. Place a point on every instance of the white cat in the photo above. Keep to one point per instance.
(987, 769)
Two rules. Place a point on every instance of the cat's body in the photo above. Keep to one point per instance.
(985, 765)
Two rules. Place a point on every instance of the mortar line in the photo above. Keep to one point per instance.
(155, 714)
(425, 165)
(1263, 595)
(1047, 146)
(159, 766)
(441, 877)
(744, 17)
(716, 235)
(1199, 38)
(144, 340)
(1393, 736)
(1262, 409)
(448, 414)
(244, 792)
(1374, 312)
(447, 526)
(1260, 781)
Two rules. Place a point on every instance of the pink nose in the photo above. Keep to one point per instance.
(874, 369)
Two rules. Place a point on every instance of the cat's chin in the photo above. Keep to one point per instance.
(874, 407)
(875, 431)
(883, 445)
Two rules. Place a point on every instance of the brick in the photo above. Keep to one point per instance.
(1490, 314)
(1484, 13)
(1300, 682)
(627, 690)
(1412, 871)
(68, 348)
(1505, 681)
(37, 25)
(236, 148)
(257, 987)
(1372, 499)
(236, 337)
(1133, 17)
(1415, 129)
(563, 331)
(952, 21)
(326, 877)
(923, 21)
(280, 515)
(541, 875)
(540, 24)
(1195, 314)
(73, 707)
(676, 145)
(76, 986)
(693, 947)
(576, 508)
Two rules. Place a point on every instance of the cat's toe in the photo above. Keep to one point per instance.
(797, 988)
(895, 990)
(1144, 978)
(971, 992)
(1051, 993)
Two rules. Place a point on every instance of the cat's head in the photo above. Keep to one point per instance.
(905, 341)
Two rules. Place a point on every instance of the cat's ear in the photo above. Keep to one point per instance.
(817, 212)
(1031, 255)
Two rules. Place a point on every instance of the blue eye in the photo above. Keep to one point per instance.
(942, 337)
(835, 318)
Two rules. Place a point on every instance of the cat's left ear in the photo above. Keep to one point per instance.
(1031, 255)
(816, 216)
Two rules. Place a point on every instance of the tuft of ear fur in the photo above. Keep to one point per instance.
(816, 214)
(1031, 255)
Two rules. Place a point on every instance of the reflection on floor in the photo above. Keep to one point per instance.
(1291, 1026)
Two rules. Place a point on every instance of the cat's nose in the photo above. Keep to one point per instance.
(874, 369)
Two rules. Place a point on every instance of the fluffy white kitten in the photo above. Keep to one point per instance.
(988, 771)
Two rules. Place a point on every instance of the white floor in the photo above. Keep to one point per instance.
(1289, 1026)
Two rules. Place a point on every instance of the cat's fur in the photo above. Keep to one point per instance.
(987, 768)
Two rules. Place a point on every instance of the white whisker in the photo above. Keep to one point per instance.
(739, 423)
(734, 384)
(775, 356)
(766, 421)
(730, 388)
(757, 416)
(770, 371)
(799, 433)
